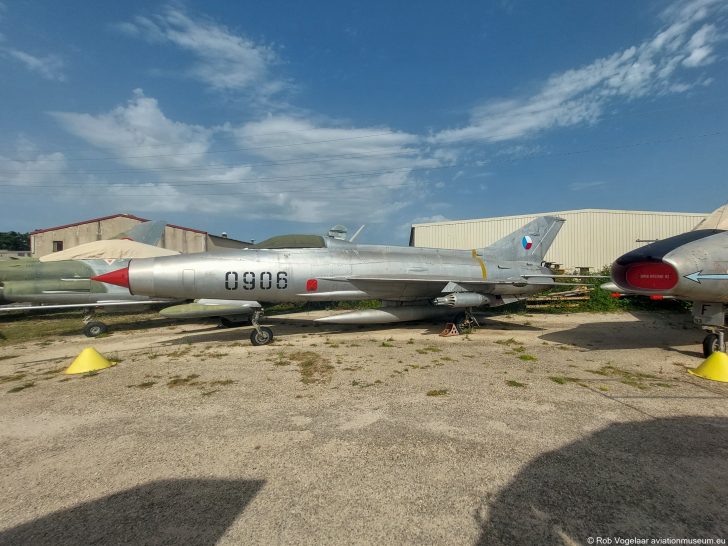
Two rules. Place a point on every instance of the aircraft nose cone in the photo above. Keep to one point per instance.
(120, 277)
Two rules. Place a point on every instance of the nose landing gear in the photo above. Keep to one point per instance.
(261, 335)
(714, 341)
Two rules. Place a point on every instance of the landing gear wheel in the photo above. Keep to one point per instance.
(711, 344)
(95, 328)
(262, 336)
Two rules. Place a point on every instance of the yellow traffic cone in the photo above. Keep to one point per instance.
(714, 367)
(88, 361)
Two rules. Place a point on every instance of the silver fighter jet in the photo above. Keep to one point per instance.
(413, 283)
(692, 266)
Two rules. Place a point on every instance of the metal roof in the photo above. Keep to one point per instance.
(557, 213)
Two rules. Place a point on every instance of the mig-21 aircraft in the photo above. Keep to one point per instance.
(413, 283)
(692, 266)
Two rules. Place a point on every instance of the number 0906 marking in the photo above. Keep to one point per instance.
(265, 280)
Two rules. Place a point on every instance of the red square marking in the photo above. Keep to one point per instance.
(311, 285)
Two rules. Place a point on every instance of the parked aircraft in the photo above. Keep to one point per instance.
(413, 283)
(692, 266)
(52, 284)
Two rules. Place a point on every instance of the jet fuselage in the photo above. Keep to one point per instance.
(692, 266)
(289, 275)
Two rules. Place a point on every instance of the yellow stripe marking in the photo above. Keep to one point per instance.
(481, 262)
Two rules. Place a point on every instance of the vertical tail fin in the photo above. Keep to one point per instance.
(531, 242)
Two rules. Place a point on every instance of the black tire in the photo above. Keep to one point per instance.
(264, 337)
(95, 328)
(229, 323)
(711, 344)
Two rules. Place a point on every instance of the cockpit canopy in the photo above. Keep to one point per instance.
(293, 241)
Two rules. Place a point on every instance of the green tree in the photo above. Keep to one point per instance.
(12, 240)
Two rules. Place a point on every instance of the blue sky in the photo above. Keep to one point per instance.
(260, 118)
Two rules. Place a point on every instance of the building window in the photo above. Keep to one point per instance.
(57, 246)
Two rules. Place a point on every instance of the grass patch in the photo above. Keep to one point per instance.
(188, 381)
(437, 392)
(22, 387)
(34, 326)
(215, 354)
(180, 352)
(527, 357)
(281, 360)
(638, 380)
(429, 349)
(10, 378)
(386, 344)
(313, 367)
(514, 383)
(221, 382)
(364, 384)
(508, 342)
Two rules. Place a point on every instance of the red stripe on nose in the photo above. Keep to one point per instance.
(120, 277)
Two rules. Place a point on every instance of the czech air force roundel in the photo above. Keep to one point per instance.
(527, 242)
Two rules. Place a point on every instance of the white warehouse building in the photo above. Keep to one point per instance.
(591, 238)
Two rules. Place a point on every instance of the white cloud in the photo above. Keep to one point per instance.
(701, 46)
(140, 134)
(579, 96)
(50, 67)
(29, 168)
(363, 174)
(407, 226)
(579, 186)
(281, 167)
(224, 61)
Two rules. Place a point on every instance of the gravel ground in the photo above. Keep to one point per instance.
(534, 429)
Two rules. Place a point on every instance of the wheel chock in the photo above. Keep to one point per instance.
(715, 368)
(450, 330)
(89, 360)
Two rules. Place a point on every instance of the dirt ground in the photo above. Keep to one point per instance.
(534, 429)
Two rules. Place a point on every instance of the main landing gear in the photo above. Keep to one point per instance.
(93, 328)
(465, 321)
(714, 341)
(261, 335)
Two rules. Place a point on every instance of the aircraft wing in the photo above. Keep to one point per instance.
(116, 303)
(422, 286)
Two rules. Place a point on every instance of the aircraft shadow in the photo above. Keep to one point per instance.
(183, 511)
(631, 335)
(283, 327)
(648, 479)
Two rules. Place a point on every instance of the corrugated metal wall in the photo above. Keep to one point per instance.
(590, 237)
(183, 240)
